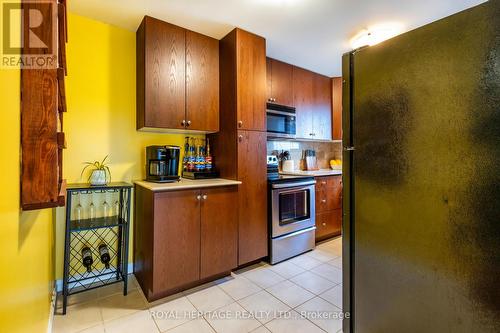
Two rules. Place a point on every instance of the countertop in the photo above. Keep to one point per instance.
(316, 173)
(184, 184)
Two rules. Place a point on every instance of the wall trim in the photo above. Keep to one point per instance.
(52, 309)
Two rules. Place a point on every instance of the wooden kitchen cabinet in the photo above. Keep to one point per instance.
(322, 108)
(177, 78)
(250, 59)
(183, 238)
(303, 96)
(337, 107)
(202, 82)
(219, 230)
(240, 145)
(328, 206)
(328, 224)
(312, 95)
(176, 239)
(279, 82)
(252, 235)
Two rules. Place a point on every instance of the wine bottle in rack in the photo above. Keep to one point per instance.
(104, 253)
(87, 258)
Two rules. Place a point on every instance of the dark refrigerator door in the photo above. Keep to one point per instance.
(422, 223)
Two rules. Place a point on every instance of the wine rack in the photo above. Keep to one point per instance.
(90, 226)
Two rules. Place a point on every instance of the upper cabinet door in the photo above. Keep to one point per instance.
(202, 82)
(250, 81)
(161, 64)
(269, 79)
(322, 114)
(303, 99)
(281, 83)
(337, 107)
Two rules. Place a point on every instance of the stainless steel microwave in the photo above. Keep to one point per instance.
(281, 121)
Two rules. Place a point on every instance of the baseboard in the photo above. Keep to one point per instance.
(52, 309)
(59, 283)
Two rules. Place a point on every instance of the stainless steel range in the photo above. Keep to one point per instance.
(291, 214)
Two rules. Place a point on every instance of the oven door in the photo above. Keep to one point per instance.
(280, 124)
(293, 207)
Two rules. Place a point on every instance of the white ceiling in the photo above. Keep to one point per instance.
(308, 33)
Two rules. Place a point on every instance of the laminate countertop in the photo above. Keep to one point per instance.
(185, 184)
(316, 173)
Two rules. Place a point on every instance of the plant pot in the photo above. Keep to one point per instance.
(98, 177)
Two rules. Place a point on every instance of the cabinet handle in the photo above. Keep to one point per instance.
(323, 182)
(323, 200)
(240, 138)
(188, 123)
(183, 122)
(198, 197)
(240, 123)
(205, 197)
(323, 224)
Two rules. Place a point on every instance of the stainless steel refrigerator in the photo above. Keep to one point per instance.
(421, 136)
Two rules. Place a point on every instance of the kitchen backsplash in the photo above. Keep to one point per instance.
(325, 151)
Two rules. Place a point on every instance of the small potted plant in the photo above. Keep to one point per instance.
(100, 172)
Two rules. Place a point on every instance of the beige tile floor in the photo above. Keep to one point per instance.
(302, 294)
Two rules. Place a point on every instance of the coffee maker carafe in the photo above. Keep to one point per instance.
(162, 163)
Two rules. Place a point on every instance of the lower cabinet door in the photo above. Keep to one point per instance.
(219, 230)
(328, 224)
(176, 244)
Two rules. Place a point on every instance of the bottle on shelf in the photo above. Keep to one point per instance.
(186, 154)
(191, 157)
(208, 157)
(87, 258)
(200, 157)
(104, 254)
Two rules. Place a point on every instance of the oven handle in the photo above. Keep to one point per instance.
(283, 113)
(297, 184)
(296, 233)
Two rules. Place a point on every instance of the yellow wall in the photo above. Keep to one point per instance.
(26, 238)
(101, 108)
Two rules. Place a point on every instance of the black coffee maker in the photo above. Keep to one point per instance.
(162, 163)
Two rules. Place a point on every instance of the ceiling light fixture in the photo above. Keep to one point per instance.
(376, 34)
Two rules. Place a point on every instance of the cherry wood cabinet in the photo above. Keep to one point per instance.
(240, 145)
(202, 82)
(279, 82)
(322, 108)
(328, 224)
(183, 238)
(303, 85)
(252, 235)
(161, 72)
(176, 239)
(250, 58)
(312, 95)
(328, 206)
(177, 78)
(337, 107)
(219, 230)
